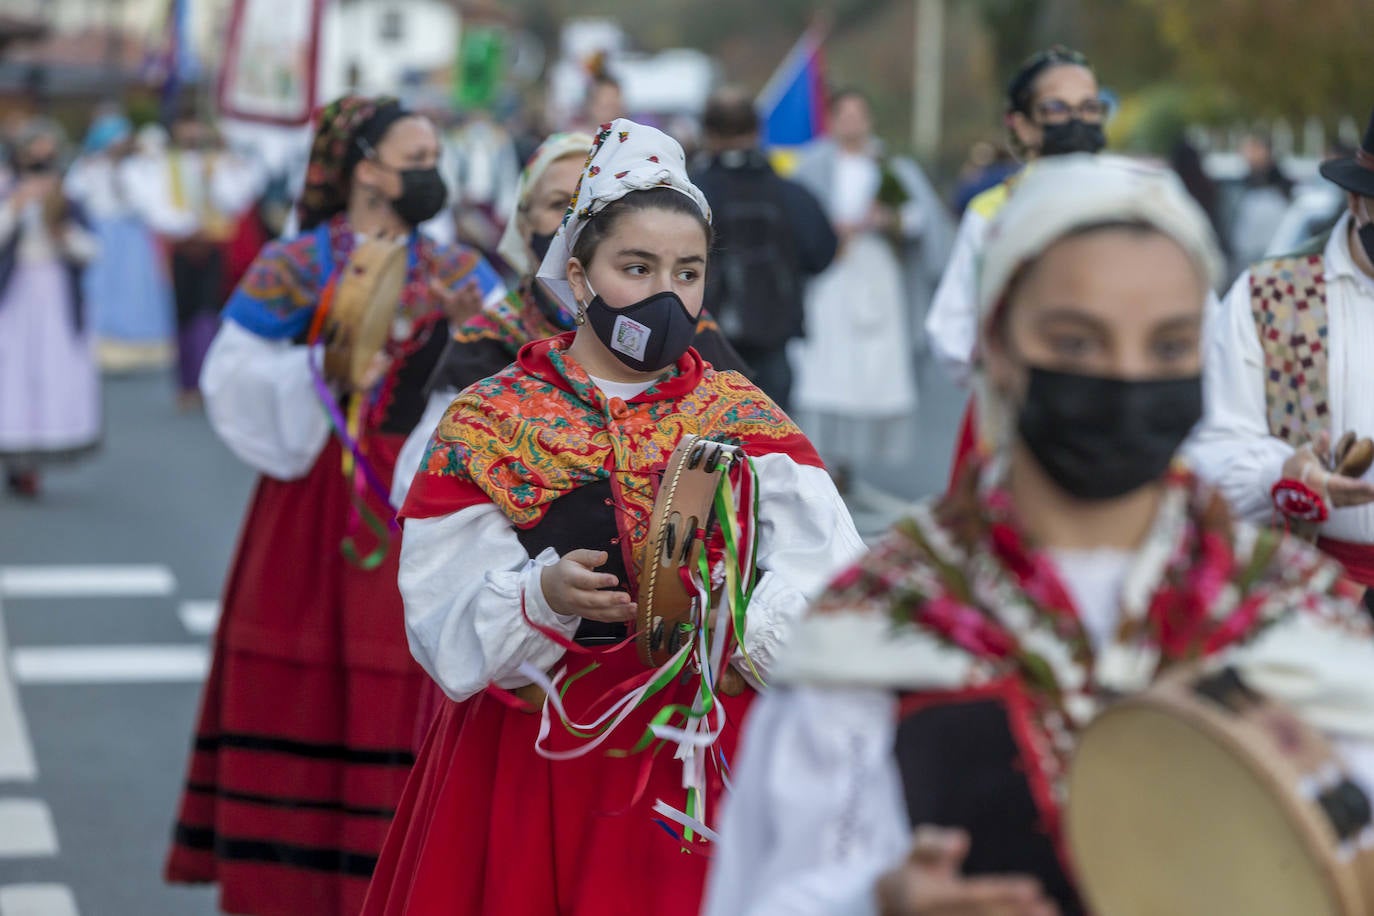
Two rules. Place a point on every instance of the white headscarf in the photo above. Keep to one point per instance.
(1063, 194)
(513, 248)
(625, 157)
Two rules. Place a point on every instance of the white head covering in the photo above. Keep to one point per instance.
(513, 248)
(625, 157)
(1063, 194)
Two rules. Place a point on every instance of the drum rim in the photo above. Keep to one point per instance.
(677, 466)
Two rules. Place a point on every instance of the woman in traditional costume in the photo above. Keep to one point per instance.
(49, 386)
(523, 530)
(130, 300)
(856, 377)
(305, 733)
(192, 196)
(1054, 108)
(945, 678)
(489, 342)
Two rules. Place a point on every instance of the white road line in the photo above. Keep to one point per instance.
(109, 664)
(26, 829)
(86, 581)
(16, 750)
(37, 900)
(199, 617)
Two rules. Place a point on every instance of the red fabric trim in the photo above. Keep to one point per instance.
(435, 495)
(1358, 559)
(1021, 719)
(534, 359)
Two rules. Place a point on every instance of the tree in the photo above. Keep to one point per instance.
(1278, 58)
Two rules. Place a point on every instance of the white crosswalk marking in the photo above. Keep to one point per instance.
(86, 581)
(26, 829)
(199, 617)
(109, 664)
(37, 900)
(16, 750)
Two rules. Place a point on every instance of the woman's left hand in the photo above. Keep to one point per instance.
(460, 304)
(377, 369)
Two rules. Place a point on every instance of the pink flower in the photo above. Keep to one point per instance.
(1176, 620)
(966, 627)
(1237, 625)
(847, 579)
(1011, 550)
(1213, 567)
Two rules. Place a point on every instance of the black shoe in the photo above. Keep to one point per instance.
(23, 484)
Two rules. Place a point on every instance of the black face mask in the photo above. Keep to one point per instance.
(423, 195)
(1100, 438)
(650, 335)
(539, 244)
(1073, 136)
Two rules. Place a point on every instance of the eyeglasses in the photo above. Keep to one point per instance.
(1057, 111)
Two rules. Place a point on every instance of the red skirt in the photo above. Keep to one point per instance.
(487, 826)
(306, 729)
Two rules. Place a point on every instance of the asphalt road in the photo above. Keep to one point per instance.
(108, 592)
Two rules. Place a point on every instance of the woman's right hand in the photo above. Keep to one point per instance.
(30, 189)
(1304, 465)
(573, 587)
(928, 883)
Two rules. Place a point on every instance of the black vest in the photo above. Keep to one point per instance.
(961, 766)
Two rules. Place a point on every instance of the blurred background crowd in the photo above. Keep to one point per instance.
(173, 133)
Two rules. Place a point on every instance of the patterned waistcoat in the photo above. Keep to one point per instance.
(1288, 300)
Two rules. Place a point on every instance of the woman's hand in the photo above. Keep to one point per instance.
(459, 305)
(377, 368)
(32, 188)
(573, 587)
(1339, 491)
(928, 883)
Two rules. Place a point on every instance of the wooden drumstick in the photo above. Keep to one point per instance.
(1357, 459)
(1342, 446)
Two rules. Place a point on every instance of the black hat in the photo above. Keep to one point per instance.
(1354, 173)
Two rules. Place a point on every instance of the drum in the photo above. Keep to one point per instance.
(363, 309)
(668, 611)
(1202, 797)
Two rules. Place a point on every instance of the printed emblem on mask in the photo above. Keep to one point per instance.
(629, 337)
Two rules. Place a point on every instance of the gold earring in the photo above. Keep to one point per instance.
(581, 318)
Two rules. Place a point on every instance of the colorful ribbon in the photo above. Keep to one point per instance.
(693, 729)
(360, 474)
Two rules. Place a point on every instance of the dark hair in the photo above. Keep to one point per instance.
(1021, 89)
(730, 113)
(370, 134)
(602, 224)
(605, 79)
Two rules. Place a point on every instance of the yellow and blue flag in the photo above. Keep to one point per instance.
(792, 105)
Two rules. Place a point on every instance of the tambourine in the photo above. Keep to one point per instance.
(668, 612)
(1200, 796)
(363, 310)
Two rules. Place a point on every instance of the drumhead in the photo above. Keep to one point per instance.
(1164, 818)
(364, 308)
(388, 268)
